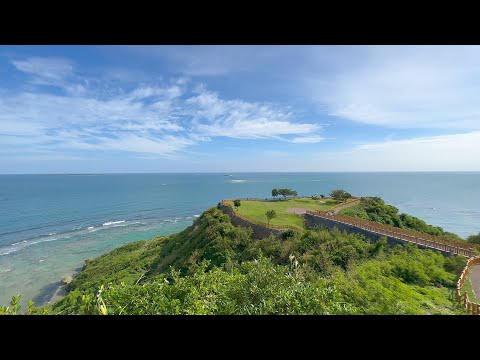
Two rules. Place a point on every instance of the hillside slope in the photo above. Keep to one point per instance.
(213, 267)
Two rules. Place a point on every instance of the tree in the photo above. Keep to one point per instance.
(474, 239)
(322, 196)
(275, 193)
(286, 192)
(270, 215)
(340, 195)
(237, 204)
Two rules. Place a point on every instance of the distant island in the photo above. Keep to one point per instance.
(284, 254)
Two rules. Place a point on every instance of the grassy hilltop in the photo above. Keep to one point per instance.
(256, 209)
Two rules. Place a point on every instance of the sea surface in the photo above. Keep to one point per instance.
(49, 224)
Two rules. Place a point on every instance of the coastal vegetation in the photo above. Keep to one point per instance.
(213, 267)
(474, 239)
(375, 209)
(237, 203)
(284, 193)
(270, 214)
(340, 195)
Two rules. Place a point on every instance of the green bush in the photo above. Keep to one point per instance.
(375, 209)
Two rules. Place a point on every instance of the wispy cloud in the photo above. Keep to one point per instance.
(50, 70)
(404, 87)
(162, 120)
(307, 139)
(457, 152)
(213, 116)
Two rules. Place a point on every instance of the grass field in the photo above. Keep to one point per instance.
(256, 209)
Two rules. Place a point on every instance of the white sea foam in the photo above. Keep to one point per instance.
(24, 241)
(23, 244)
(90, 227)
(238, 181)
(113, 222)
(196, 215)
(42, 260)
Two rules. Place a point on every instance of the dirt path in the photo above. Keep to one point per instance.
(475, 278)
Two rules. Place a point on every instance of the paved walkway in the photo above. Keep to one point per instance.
(475, 278)
(297, 211)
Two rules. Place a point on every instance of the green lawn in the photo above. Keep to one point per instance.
(256, 209)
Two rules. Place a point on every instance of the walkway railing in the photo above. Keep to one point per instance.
(463, 299)
(400, 234)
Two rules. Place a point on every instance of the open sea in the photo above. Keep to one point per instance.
(49, 224)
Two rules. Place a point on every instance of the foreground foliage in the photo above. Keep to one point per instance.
(213, 267)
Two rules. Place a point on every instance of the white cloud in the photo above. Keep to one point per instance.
(307, 139)
(151, 91)
(134, 143)
(51, 71)
(159, 120)
(404, 87)
(239, 119)
(458, 152)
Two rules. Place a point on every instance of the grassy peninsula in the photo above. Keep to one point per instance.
(213, 267)
(255, 209)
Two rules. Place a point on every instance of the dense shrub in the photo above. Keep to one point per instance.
(375, 209)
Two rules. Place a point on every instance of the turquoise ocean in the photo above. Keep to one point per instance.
(49, 224)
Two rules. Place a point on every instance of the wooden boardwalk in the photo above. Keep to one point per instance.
(396, 233)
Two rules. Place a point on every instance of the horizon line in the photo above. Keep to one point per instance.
(251, 172)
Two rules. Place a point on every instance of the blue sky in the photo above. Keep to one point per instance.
(87, 109)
